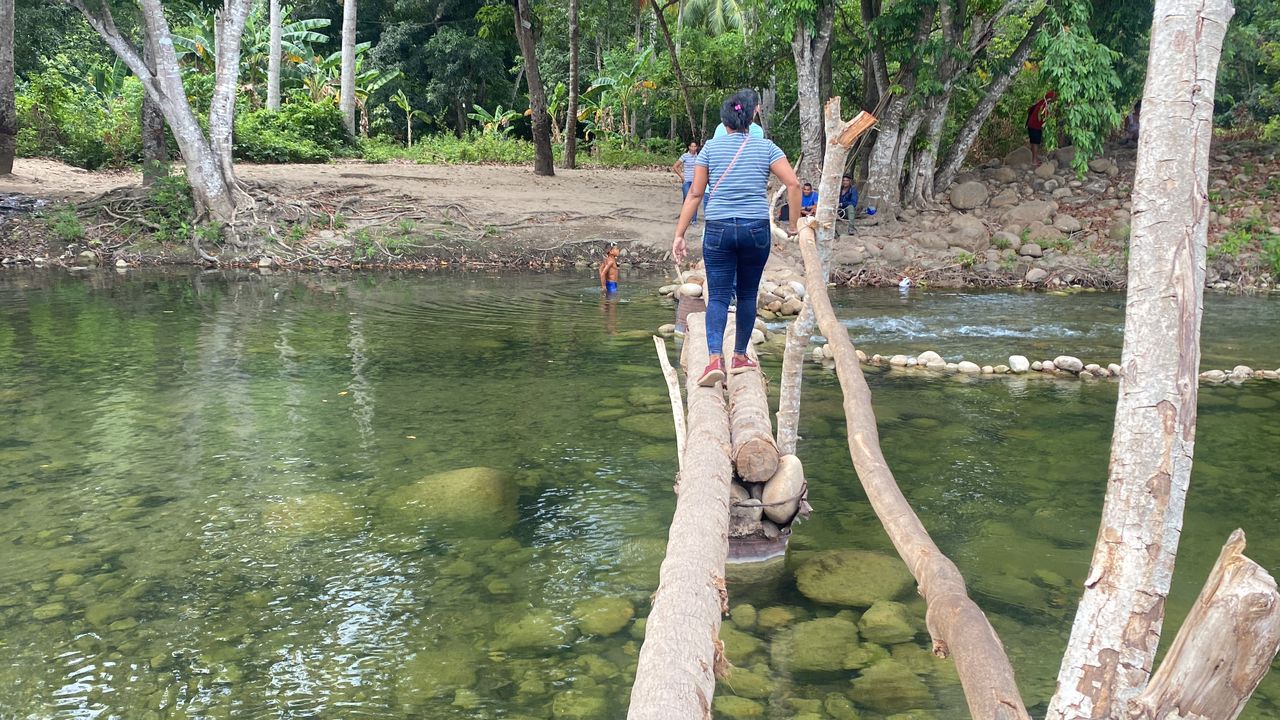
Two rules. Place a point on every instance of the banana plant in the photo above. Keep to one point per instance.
(402, 101)
(322, 79)
(195, 44)
(624, 85)
(496, 122)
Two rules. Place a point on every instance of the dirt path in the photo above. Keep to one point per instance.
(636, 208)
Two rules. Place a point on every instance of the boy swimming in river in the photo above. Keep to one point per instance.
(609, 270)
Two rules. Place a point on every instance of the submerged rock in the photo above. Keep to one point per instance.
(775, 617)
(314, 514)
(737, 708)
(437, 672)
(654, 425)
(738, 646)
(579, 705)
(815, 646)
(475, 497)
(748, 683)
(887, 623)
(889, 686)
(539, 629)
(603, 616)
(854, 578)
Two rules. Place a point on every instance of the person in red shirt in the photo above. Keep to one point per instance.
(1037, 114)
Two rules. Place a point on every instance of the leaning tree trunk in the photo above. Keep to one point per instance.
(675, 64)
(968, 134)
(347, 89)
(229, 29)
(571, 121)
(543, 164)
(155, 150)
(809, 50)
(273, 62)
(1117, 627)
(212, 190)
(8, 101)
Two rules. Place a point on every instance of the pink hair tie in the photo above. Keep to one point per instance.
(736, 106)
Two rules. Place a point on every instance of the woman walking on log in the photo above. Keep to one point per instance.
(736, 241)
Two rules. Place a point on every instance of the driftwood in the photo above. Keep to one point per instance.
(1117, 627)
(1225, 646)
(954, 622)
(755, 454)
(673, 390)
(676, 675)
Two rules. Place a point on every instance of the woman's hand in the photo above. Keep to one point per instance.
(792, 228)
(678, 249)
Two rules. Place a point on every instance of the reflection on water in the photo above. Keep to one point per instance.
(233, 496)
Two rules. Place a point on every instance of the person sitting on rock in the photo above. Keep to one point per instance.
(808, 201)
(848, 199)
(1037, 114)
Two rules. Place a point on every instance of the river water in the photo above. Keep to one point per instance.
(207, 475)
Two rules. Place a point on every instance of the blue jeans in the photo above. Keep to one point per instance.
(735, 251)
(685, 189)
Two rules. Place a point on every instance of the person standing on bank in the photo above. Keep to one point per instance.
(736, 240)
(684, 170)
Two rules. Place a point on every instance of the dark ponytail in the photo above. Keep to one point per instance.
(738, 111)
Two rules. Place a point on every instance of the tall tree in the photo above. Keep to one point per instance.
(809, 46)
(347, 89)
(543, 163)
(8, 101)
(155, 148)
(207, 156)
(1117, 627)
(675, 62)
(273, 62)
(571, 117)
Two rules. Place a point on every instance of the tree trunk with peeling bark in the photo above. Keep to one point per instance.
(1117, 627)
(347, 81)
(682, 653)
(273, 61)
(543, 163)
(8, 95)
(809, 49)
(754, 453)
(571, 120)
(207, 157)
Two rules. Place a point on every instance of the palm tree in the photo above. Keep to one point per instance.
(347, 96)
(273, 60)
(715, 16)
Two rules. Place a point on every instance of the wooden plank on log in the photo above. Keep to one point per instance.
(676, 675)
(755, 453)
(1225, 646)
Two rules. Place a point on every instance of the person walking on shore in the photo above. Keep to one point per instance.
(736, 240)
(684, 170)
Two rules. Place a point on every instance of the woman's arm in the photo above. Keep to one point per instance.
(678, 168)
(696, 191)
(783, 171)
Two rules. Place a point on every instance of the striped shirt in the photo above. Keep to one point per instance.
(742, 193)
(687, 161)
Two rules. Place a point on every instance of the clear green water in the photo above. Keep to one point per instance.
(197, 473)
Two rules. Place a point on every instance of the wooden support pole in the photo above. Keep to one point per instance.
(1224, 648)
(841, 136)
(676, 675)
(956, 624)
(755, 454)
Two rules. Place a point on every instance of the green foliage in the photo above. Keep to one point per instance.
(1001, 243)
(966, 259)
(87, 117)
(170, 210)
(481, 148)
(302, 132)
(65, 224)
(497, 122)
(1271, 253)
(1082, 71)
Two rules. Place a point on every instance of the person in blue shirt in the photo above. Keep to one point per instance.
(848, 199)
(808, 201)
(683, 168)
(733, 173)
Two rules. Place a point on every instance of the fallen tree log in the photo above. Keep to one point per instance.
(1225, 646)
(958, 627)
(755, 453)
(676, 674)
